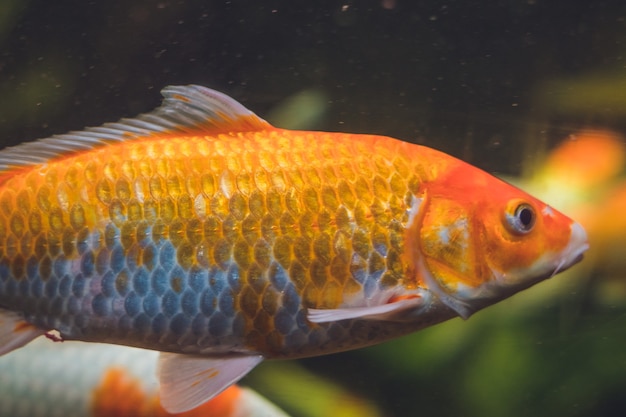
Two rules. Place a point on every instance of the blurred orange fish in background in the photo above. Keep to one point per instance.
(584, 177)
(121, 394)
(581, 176)
(585, 159)
(201, 231)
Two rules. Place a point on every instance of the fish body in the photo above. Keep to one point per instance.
(102, 380)
(201, 231)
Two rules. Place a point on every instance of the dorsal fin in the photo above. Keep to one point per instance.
(191, 109)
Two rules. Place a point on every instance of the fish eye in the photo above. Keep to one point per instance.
(522, 219)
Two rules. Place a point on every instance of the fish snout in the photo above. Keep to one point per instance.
(577, 246)
(575, 249)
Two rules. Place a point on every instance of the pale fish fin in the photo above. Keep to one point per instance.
(190, 380)
(378, 312)
(190, 109)
(15, 332)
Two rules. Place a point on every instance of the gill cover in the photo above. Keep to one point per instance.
(450, 263)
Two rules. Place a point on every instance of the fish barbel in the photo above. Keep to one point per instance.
(201, 231)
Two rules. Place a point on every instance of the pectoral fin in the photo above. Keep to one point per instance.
(15, 332)
(386, 311)
(190, 380)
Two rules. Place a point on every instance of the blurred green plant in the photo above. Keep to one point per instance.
(302, 393)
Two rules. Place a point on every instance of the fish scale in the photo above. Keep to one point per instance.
(201, 231)
(130, 239)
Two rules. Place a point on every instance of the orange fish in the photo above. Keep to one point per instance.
(99, 380)
(201, 231)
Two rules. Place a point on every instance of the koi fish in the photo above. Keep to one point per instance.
(201, 231)
(102, 380)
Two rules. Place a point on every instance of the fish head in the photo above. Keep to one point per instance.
(482, 239)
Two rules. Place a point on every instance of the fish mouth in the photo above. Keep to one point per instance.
(575, 249)
(574, 261)
(562, 266)
(577, 259)
(572, 254)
